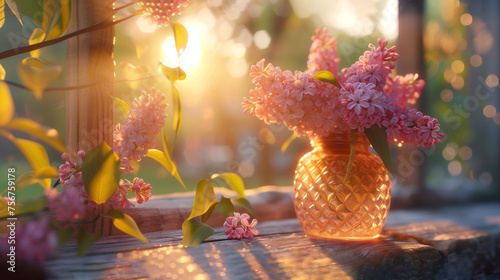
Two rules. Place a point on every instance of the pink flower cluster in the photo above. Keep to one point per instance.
(301, 102)
(136, 136)
(323, 53)
(35, 240)
(161, 10)
(246, 230)
(368, 96)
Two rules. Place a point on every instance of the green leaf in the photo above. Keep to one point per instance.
(13, 9)
(121, 104)
(85, 241)
(326, 76)
(172, 74)
(245, 204)
(233, 181)
(32, 177)
(207, 214)
(225, 207)
(36, 74)
(49, 136)
(36, 37)
(26, 207)
(2, 14)
(63, 235)
(204, 198)
(6, 105)
(288, 142)
(195, 233)
(177, 118)
(180, 36)
(126, 224)
(101, 173)
(378, 139)
(166, 161)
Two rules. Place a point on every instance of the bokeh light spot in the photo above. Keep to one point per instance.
(466, 19)
(446, 95)
(489, 111)
(476, 60)
(455, 168)
(492, 81)
(465, 153)
(262, 39)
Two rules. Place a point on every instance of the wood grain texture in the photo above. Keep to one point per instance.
(89, 111)
(168, 212)
(448, 243)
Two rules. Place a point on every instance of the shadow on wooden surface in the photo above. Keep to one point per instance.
(450, 243)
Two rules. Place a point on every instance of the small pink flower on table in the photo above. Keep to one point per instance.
(246, 230)
(250, 232)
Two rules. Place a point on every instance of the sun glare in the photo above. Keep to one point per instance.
(190, 59)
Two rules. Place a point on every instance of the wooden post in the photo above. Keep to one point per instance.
(89, 111)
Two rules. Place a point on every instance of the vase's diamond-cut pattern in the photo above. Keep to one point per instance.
(329, 207)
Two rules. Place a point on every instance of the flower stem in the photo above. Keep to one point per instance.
(352, 143)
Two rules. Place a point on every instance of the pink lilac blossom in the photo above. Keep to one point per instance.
(368, 96)
(35, 240)
(66, 205)
(304, 104)
(136, 136)
(323, 53)
(404, 90)
(160, 11)
(246, 230)
(141, 190)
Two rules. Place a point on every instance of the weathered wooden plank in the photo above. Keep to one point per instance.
(168, 212)
(447, 243)
(468, 238)
(281, 251)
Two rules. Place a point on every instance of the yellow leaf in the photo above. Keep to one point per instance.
(2, 70)
(166, 161)
(288, 142)
(2, 12)
(13, 8)
(6, 105)
(33, 152)
(101, 173)
(32, 177)
(49, 136)
(56, 23)
(181, 37)
(36, 74)
(126, 224)
(36, 37)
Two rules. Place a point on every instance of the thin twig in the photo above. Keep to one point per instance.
(124, 6)
(25, 49)
(18, 85)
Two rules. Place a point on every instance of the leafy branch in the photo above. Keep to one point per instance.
(29, 48)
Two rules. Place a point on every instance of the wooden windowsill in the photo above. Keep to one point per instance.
(448, 243)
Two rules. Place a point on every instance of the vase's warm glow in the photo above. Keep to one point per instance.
(329, 207)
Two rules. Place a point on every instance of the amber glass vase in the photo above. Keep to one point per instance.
(339, 198)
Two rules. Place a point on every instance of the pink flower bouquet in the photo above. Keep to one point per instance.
(323, 100)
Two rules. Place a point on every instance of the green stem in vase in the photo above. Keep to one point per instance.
(352, 143)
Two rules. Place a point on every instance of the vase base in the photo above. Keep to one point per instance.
(343, 238)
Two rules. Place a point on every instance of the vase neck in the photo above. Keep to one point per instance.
(341, 142)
